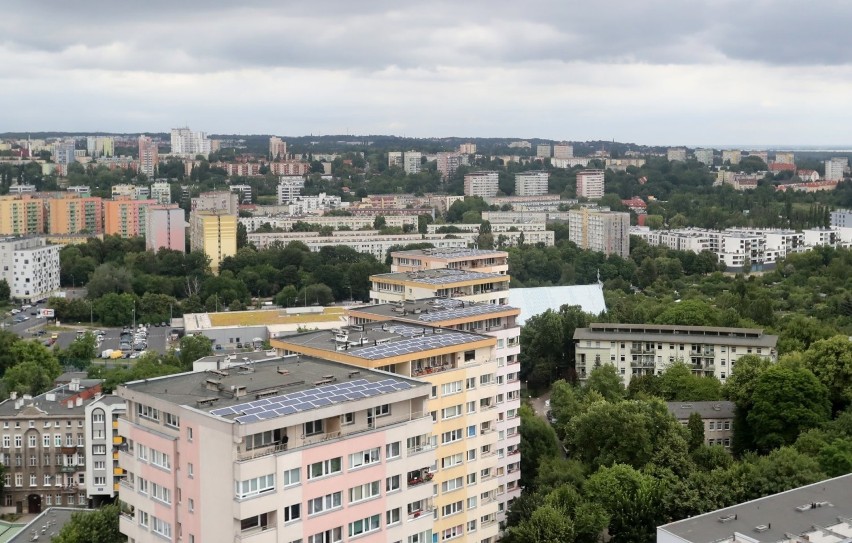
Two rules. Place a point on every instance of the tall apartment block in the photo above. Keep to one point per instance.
(647, 349)
(562, 150)
(74, 215)
(484, 184)
(461, 370)
(215, 233)
(244, 192)
(218, 200)
(733, 156)
(467, 149)
(277, 148)
(44, 448)
(395, 159)
(543, 150)
(100, 146)
(30, 266)
(676, 154)
(290, 449)
(448, 163)
(161, 192)
(165, 228)
(289, 188)
(498, 321)
(531, 183)
(411, 162)
(103, 474)
(188, 143)
(149, 156)
(21, 215)
(590, 184)
(604, 231)
(704, 156)
(125, 217)
(64, 153)
(835, 167)
(785, 158)
(479, 260)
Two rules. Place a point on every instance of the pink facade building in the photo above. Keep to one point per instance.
(287, 449)
(165, 228)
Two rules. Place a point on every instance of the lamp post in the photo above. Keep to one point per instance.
(133, 311)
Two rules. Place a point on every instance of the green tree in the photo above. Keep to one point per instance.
(690, 313)
(630, 498)
(98, 526)
(679, 384)
(5, 291)
(606, 381)
(109, 278)
(831, 361)
(81, 351)
(782, 469)
(786, 401)
(115, 309)
(538, 442)
(35, 370)
(547, 524)
(835, 459)
(192, 348)
(695, 427)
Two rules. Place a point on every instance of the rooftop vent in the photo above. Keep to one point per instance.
(265, 392)
(206, 401)
(727, 518)
(760, 528)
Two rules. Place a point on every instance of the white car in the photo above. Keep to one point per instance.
(15, 311)
(547, 403)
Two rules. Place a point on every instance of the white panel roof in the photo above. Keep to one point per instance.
(536, 300)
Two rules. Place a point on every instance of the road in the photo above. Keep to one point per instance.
(538, 405)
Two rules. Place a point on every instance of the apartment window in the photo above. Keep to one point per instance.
(45, 440)
(148, 412)
(470, 383)
(57, 439)
(172, 420)
(392, 484)
(364, 526)
(383, 410)
(161, 460)
(451, 388)
(190, 505)
(189, 434)
(161, 527)
(189, 470)
(143, 518)
(101, 449)
(293, 512)
(255, 486)
(141, 451)
(392, 450)
(98, 417)
(471, 479)
(32, 440)
(347, 418)
(451, 412)
(47, 480)
(471, 455)
(453, 532)
(7, 441)
(161, 493)
(451, 436)
(452, 484)
(364, 492)
(142, 485)
(18, 441)
(33, 481)
(326, 467)
(364, 458)
(19, 479)
(292, 476)
(314, 427)
(452, 460)
(325, 503)
(452, 509)
(258, 521)
(392, 516)
(335, 535)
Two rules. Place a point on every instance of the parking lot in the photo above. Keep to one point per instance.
(156, 339)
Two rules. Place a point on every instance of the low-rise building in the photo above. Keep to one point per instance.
(244, 191)
(442, 283)
(370, 242)
(481, 260)
(161, 192)
(289, 188)
(718, 419)
(295, 448)
(648, 349)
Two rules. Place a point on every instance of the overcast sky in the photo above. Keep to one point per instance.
(666, 72)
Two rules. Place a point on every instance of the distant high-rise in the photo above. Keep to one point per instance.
(63, 153)
(187, 143)
(604, 231)
(161, 192)
(394, 159)
(448, 163)
(704, 156)
(590, 184)
(412, 161)
(484, 184)
(215, 233)
(100, 146)
(542, 150)
(563, 150)
(835, 167)
(676, 154)
(218, 200)
(125, 217)
(532, 183)
(165, 228)
(785, 158)
(277, 148)
(149, 156)
(732, 156)
(467, 148)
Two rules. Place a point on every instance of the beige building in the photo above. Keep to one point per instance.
(590, 184)
(533, 183)
(646, 349)
(441, 283)
(704, 156)
(219, 200)
(481, 260)
(277, 148)
(563, 150)
(732, 156)
(467, 148)
(363, 241)
(542, 150)
(604, 231)
(676, 154)
(215, 233)
(484, 184)
(785, 158)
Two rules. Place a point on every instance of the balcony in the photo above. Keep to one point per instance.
(269, 533)
(418, 477)
(641, 363)
(417, 372)
(418, 514)
(70, 469)
(420, 449)
(643, 350)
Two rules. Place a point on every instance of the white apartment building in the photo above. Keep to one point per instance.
(522, 216)
(289, 188)
(313, 205)
(841, 218)
(187, 143)
(395, 159)
(461, 284)
(704, 156)
(123, 191)
(676, 153)
(506, 234)
(835, 168)
(370, 242)
(563, 150)
(732, 156)
(161, 191)
(590, 184)
(103, 473)
(411, 162)
(533, 183)
(484, 184)
(543, 150)
(482, 260)
(244, 191)
(297, 448)
(22, 189)
(541, 202)
(598, 230)
(351, 222)
(648, 349)
(83, 191)
(568, 163)
(30, 266)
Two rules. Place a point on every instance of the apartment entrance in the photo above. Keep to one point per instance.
(33, 504)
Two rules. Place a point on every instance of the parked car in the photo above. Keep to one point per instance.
(15, 311)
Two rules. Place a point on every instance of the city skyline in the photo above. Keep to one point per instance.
(670, 73)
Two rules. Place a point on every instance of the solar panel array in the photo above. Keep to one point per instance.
(455, 277)
(305, 400)
(412, 345)
(459, 312)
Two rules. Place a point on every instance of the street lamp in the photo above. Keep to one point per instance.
(133, 311)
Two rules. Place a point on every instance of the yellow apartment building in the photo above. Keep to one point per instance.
(21, 215)
(73, 215)
(215, 233)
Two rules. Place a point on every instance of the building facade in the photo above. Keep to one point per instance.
(21, 215)
(411, 162)
(648, 349)
(676, 154)
(149, 156)
(341, 452)
(604, 231)
(448, 163)
(185, 142)
(165, 228)
(484, 184)
(103, 474)
(277, 148)
(590, 184)
(161, 192)
(215, 233)
(542, 150)
(704, 156)
(563, 150)
(717, 417)
(125, 217)
(531, 183)
(44, 448)
(75, 215)
(441, 283)
(30, 266)
(220, 200)
(835, 168)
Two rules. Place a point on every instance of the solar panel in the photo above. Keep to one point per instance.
(322, 401)
(253, 410)
(304, 406)
(355, 395)
(247, 418)
(267, 415)
(287, 410)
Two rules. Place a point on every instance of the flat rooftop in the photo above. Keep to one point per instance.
(435, 309)
(779, 517)
(451, 253)
(707, 410)
(46, 525)
(272, 388)
(665, 333)
(384, 340)
(263, 317)
(441, 276)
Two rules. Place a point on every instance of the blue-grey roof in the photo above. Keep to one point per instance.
(535, 301)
